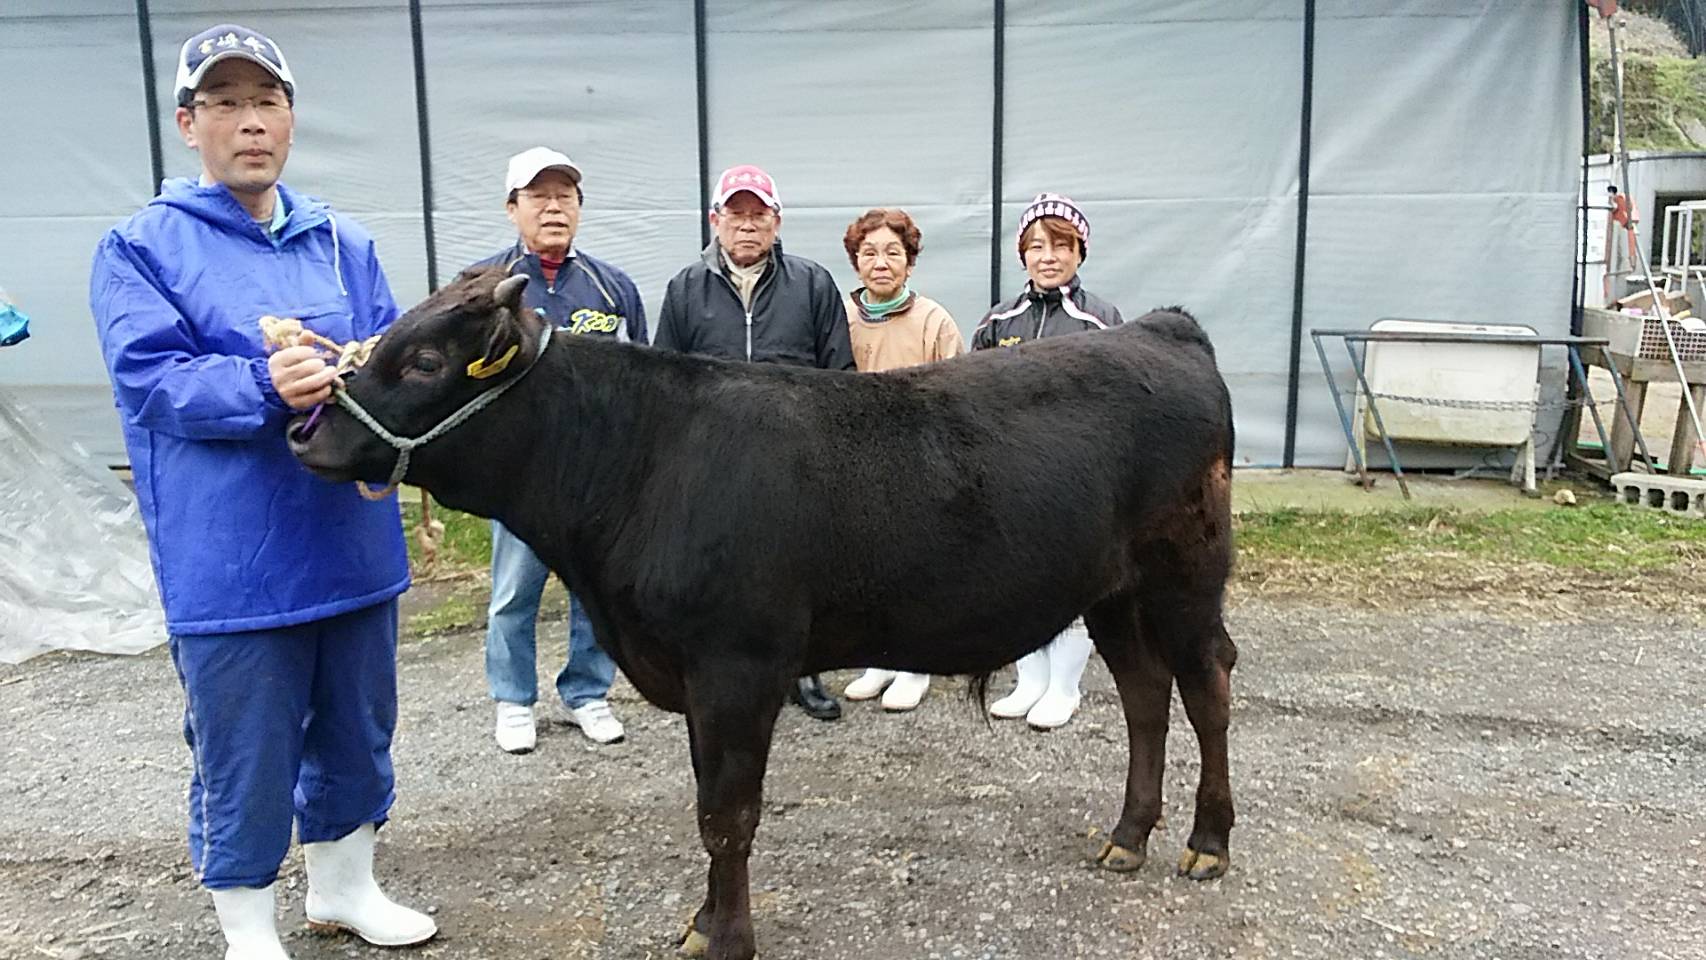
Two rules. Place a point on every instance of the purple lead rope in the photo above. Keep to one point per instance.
(307, 429)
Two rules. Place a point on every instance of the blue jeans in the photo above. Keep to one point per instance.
(518, 582)
(291, 723)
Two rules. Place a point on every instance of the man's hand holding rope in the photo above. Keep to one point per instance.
(298, 364)
(301, 376)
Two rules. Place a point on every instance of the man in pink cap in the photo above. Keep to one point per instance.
(744, 299)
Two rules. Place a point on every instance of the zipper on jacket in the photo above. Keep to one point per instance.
(747, 310)
(1040, 321)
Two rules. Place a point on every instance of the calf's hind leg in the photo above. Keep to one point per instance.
(1192, 638)
(1146, 689)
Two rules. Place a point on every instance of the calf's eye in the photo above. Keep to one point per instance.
(426, 363)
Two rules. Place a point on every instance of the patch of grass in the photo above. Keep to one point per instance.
(452, 595)
(1600, 538)
(461, 610)
(1664, 99)
(1558, 561)
(467, 543)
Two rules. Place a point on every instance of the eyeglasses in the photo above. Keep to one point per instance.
(270, 107)
(891, 253)
(563, 199)
(759, 218)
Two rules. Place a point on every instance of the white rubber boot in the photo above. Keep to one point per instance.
(247, 918)
(342, 894)
(1032, 683)
(1067, 656)
(869, 684)
(906, 692)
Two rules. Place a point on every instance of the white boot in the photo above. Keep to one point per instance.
(1032, 684)
(1067, 656)
(247, 919)
(906, 692)
(342, 894)
(869, 684)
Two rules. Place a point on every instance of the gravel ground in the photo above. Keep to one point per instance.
(1409, 785)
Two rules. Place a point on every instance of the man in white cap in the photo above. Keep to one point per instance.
(587, 297)
(280, 589)
(745, 299)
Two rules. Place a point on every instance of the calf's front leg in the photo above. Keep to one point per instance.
(732, 726)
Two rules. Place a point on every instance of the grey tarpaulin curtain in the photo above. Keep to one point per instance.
(1444, 149)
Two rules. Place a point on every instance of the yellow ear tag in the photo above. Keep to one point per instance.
(480, 369)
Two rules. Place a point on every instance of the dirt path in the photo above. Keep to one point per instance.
(1408, 785)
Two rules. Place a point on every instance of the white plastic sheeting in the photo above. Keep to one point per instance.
(74, 571)
(1444, 151)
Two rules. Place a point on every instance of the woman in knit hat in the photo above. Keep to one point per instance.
(891, 326)
(1054, 238)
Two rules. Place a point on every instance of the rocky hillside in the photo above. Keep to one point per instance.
(1664, 89)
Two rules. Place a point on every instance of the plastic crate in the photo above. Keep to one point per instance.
(1642, 337)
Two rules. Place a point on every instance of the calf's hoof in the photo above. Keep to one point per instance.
(1120, 860)
(694, 944)
(1202, 866)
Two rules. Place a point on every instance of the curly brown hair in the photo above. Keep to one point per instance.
(897, 220)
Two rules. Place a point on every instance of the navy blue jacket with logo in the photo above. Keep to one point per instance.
(589, 296)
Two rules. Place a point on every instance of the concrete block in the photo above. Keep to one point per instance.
(1679, 495)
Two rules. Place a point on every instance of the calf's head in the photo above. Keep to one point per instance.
(469, 338)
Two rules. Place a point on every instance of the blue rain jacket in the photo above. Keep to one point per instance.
(242, 536)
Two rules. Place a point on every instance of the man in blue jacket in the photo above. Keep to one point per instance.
(279, 588)
(586, 297)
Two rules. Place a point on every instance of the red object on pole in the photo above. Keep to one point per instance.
(1605, 7)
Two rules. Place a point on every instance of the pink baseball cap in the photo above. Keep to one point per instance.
(751, 179)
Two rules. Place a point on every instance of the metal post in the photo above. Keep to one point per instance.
(1300, 252)
(704, 121)
(997, 135)
(417, 39)
(145, 36)
(1344, 418)
(1581, 376)
(1373, 408)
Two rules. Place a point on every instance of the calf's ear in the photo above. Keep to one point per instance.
(513, 328)
(508, 292)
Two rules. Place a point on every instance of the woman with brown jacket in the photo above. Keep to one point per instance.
(891, 326)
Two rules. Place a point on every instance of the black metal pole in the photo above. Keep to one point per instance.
(1569, 425)
(1579, 279)
(425, 142)
(145, 36)
(1299, 257)
(704, 122)
(996, 136)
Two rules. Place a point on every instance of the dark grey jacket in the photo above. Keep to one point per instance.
(797, 314)
(1035, 314)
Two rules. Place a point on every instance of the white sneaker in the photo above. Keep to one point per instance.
(906, 692)
(515, 731)
(596, 721)
(869, 684)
